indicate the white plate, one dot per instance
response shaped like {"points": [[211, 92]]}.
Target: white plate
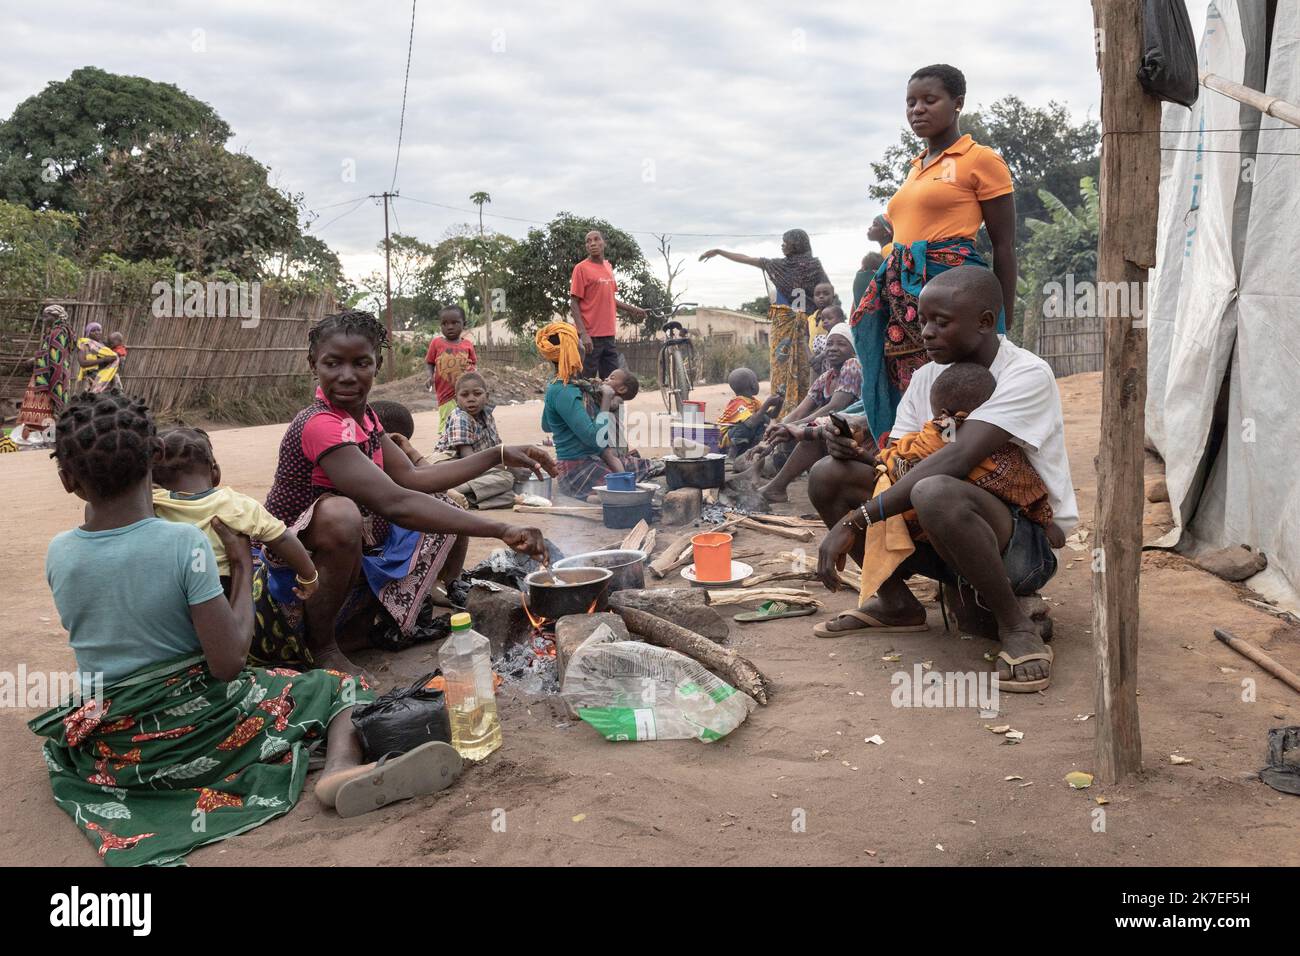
{"points": [[739, 572]]}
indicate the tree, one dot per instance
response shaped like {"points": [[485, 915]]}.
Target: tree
{"points": [[36, 253], [465, 268], [1064, 244], [537, 287], [313, 265], [759, 306], [410, 257], [485, 297], [189, 200], [72, 126], [1044, 149], [673, 271]]}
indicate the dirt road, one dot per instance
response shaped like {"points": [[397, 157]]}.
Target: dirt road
{"points": [[797, 783]]}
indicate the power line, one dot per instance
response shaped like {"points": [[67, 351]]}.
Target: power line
{"points": [[346, 212], [410, 41], [335, 204], [638, 232]]}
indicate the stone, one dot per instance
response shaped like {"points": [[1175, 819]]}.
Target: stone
{"points": [[1234, 563], [572, 629], [499, 615], [685, 607], [1156, 488], [682, 506]]}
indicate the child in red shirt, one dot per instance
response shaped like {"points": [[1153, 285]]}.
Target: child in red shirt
{"points": [[449, 357]]}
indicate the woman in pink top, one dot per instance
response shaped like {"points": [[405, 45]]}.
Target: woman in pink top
{"points": [[374, 523]]}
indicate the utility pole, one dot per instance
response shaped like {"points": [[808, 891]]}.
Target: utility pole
{"points": [[1126, 247], [388, 283]]}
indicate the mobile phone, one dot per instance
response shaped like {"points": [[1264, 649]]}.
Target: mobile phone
{"points": [[841, 425]]}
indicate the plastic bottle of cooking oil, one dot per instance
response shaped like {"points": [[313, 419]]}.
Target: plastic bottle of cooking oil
{"points": [[466, 661]]}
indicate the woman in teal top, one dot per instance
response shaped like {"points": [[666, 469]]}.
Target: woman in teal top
{"points": [[584, 443]]}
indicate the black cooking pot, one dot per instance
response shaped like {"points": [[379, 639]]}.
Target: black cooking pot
{"points": [[626, 566], [707, 472], [553, 594]]}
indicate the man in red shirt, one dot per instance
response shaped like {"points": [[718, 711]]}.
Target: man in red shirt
{"points": [[594, 304]]}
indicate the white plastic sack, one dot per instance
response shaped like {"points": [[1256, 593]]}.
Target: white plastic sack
{"points": [[629, 690]]}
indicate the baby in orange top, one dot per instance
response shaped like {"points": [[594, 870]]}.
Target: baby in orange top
{"points": [[744, 420], [1007, 473]]}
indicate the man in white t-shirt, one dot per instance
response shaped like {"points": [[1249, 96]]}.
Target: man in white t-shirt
{"points": [[973, 536]]}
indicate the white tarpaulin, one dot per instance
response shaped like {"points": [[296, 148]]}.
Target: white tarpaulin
{"points": [[1228, 228]]}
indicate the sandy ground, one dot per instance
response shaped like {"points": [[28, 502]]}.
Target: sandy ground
{"points": [[934, 793]]}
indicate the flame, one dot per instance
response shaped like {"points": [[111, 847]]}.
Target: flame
{"points": [[538, 622], [592, 609]]}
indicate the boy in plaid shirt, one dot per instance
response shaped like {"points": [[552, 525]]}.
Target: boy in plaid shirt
{"points": [[470, 428]]}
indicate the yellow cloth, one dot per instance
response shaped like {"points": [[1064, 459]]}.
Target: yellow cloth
{"points": [[567, 355], [791, 355], [813, 329], [239, 513], [888, 545], [102, 376], [443, 411]]}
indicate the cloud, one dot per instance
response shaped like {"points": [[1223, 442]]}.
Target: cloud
{"points": [[708, 117]]}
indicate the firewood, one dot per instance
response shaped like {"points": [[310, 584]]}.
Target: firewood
{"points": [[788, 521], [686, 607], [797, 534], [635, 539], [727, 664], [575, 511], [724, 596]]}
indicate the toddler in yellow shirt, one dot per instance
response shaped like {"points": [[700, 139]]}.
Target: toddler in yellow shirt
{"points": [[188, 477]]}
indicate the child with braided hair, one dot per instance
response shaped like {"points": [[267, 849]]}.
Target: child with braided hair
{"points": [[188, 476], [173, 725]]}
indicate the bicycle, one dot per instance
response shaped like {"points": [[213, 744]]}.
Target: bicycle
{"points": [[676, 362]]}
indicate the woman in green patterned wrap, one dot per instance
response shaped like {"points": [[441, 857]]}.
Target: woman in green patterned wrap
{"points": [[173, 741]]}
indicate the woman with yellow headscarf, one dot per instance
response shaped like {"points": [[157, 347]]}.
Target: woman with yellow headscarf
{"points": [[583, 444]]}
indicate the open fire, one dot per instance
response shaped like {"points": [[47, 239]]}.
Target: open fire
{"points": [[542, 638]]}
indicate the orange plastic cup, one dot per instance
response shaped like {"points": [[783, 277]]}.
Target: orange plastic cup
{"points": [[712, 553]]}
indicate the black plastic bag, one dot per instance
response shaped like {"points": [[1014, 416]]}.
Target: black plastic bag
{"points": [[504, 566], [403, 719], [1169, 70], [430, 625]]}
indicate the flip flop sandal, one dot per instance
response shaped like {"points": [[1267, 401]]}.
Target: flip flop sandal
{"points": [[772, 611], [868, 623], [1023, 686], [428, 768]]}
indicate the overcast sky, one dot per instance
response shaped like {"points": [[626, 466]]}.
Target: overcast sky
{"points": [[700, 117]]}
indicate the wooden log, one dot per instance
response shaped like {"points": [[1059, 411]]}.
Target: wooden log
{"points": [[795, 534], [727, 664], [634, 540], [1126, 246], [1288, 677], [587, 514], [687, 607], [850, 581], [724, 596], [788, 521]]}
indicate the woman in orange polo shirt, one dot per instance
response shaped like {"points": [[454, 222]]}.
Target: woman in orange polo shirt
{"points": [[953, 187]]}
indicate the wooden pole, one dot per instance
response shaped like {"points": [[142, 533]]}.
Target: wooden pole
{"points": [[1126, 245], [1288, 677], [388, 285], [1266, 104]]}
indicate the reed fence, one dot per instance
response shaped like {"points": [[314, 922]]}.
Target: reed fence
{"points": [[172, 361]]}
